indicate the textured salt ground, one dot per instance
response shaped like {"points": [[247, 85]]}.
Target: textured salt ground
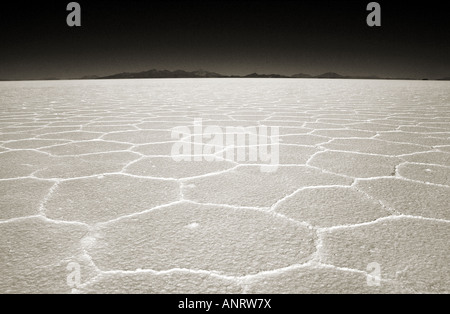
{"points": [[444, 148], [373, 146], [86, 177], [248, 186], [22, 197], [289, 154], [318, 279], [354, 165], [87, 147], [412, 138], [412, 198], [86, 165], [35, 254], [32, 144], [139, 137], [178, 282], [303, 139], [394, 244], [331, 206], [425, 173], [75, 136], [22, 163], [166, 167], [242, 241], [53, 130], [433, 157], [342, 133], [78, 200]]}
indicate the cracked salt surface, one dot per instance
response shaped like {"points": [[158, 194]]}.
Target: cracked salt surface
{"points": [[86, 177]]}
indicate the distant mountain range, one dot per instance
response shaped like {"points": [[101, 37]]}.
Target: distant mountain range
{"points": [[164, 74], [206, 74]]}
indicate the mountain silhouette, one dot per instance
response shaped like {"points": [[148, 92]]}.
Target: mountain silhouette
{"points": [[90, 77], [329, 75], [256, 75], [206, 74], [301, 75], [163, 74], [153, 73]]}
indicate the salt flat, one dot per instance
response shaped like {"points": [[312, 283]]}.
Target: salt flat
{"points": [[87, 179]]}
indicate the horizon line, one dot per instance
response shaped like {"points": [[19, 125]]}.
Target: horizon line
{"points": [[209, 74]]}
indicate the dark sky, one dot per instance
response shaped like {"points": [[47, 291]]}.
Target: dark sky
{"points": [[229, 37]]}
